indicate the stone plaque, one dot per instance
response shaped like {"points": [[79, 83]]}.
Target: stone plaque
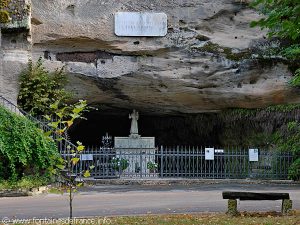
{"points": [[141, 24]]}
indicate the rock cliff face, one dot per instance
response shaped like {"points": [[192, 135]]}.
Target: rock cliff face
{"points": [[209, 60], [15, 46]]}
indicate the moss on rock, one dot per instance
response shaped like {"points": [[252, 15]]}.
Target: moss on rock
{"points": [[4, 16], [13, 11], [4, 3], [287, 206], [232, 207], [225, 51]]}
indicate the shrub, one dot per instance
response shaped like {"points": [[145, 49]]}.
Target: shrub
{"points": [[120, 164], [294, 170], [26, 182], [24, 149], [39, 88], [289, 139], [152, 166]]}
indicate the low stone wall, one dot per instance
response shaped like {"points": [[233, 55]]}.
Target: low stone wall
{"points": [[23, 192]]}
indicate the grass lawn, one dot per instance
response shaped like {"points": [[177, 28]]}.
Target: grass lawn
{"points": [[271, 218], [216, 219]]}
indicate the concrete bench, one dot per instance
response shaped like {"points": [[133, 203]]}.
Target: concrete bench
{"points": [[233, 196]]}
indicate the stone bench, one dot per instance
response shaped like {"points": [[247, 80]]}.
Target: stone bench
{"points": [[233, 196]]}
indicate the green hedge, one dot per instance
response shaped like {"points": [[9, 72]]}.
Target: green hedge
{"points": [[24, 150]]}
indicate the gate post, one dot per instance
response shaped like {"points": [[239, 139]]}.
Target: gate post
{"points": [[161, 161], [141, 165]]}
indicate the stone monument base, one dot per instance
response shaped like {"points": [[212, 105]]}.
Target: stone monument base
{"points": [[139, 152]]}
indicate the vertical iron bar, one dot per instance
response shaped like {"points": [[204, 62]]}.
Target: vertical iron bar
{"points": [[161, 161], [177, 162], [201, 163], [141, 164], [189, 159], [197, 162], [193, 161], [185, 161]]}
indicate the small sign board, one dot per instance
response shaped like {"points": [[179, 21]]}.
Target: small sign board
{"points": [[209, 153], [219, 150], [253, 155], [143, 24], [86, 157]]}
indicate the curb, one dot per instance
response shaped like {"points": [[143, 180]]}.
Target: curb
{"points": [[185, 181], [147, 182]]}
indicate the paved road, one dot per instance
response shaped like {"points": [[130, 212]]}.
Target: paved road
{"points": [[107, 200]]}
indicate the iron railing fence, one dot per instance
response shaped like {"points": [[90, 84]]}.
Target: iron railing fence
{"points": [[168, 162], [184, 162]]}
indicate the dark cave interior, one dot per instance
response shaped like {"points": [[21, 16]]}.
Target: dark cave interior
{"points": [[167, 130], [222, 129]]}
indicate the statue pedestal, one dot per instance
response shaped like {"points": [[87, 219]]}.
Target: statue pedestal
{"points": [[139, 152], [134, 142]]}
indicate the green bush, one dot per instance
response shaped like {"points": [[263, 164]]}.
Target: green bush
{"points": [[152, 166], [294, 170], [24, 150], [289, 139], [120, 164], [26, 182], [39, 89]]}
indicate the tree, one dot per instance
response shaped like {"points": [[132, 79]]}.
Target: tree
{"points": [[39, 88], [64, 167], [282, 18]]}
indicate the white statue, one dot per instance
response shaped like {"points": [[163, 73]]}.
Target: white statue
{"points": [[134, 131]]}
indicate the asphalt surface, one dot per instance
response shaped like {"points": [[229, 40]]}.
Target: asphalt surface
{"points": [[108, 200]]}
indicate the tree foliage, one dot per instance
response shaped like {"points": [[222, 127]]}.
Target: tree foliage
{"points": [[24, 150], [282, 18], [40, 88], [65, 118], [289, 139], [64, 168]]}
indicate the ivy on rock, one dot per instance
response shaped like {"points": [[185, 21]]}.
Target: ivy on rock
{"points": [[24, 149]]}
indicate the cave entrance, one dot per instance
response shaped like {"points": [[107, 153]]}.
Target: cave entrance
{"points": [[176, 136], [168, 130]]}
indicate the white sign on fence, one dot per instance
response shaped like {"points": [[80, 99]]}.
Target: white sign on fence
{"points": [[86, 157], [209, 153], [253, 155], [144, 24], [219, 150]]}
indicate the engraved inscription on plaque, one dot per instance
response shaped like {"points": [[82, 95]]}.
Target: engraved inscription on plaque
{"points": [[141, 24]]}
